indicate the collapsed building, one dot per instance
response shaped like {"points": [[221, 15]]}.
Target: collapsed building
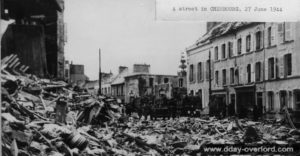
{"points": [[37, 35]]}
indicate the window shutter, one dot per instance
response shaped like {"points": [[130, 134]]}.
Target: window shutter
{"points": [[265, 38], [253, 72], [202, 71], [243, 45], [252, 42], [227, 76], [206, 71], [226, 50], [212, 70], [273, 35], [280, 62], [234, 47], [288, 31], [241, 72], [280, 32], [266, 64], [261, 71], [262, 39]]}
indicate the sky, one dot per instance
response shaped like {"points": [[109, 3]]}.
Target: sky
{"points": [[127, 33]]}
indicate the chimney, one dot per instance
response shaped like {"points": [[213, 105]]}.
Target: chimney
{"points": [[141, 68], [122, 68]]}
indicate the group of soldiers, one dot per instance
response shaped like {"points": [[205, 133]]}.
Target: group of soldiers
{"points": [[165, 108]]}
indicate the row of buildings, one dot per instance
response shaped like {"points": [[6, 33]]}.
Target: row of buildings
{"points": [[247, 64], [136, 82]]}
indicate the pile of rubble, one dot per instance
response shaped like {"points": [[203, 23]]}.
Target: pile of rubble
{"points": [[45, 117]]}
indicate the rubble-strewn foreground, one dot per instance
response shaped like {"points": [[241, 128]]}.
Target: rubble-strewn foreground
{"points": [[34, 123]]}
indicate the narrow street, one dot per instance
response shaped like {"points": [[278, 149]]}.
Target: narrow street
{"points": [[114, 78], [32, 124]]}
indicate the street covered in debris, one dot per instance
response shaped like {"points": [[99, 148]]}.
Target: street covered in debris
{"points": [[140, 86], [48, 117]]}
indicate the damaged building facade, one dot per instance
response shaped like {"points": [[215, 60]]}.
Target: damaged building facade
{"points": [[251, 64], [142, 83], [118, 83], [37, 35]]}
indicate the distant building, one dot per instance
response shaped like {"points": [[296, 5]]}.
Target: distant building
{"points": [[106, 83], [93, 86], [77, 76], [142, 83], [118, 83]]}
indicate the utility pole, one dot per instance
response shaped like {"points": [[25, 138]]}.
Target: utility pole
{"points": [[209, 81], [100, 75]]}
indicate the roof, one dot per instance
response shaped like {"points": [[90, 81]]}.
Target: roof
{"points": [[137, 74], [220, 30], [119, 79]]}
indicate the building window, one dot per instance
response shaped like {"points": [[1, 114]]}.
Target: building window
{"points": [[287, 64], [248, 43], [230, 49], [236, 74], [249, 73], [270, 101], [239, 46], [199, 72], [151, 82], [217, 77], [232, 75], [271, 68], [269, 36], [180, 82], [258, 71], [216, 54], [191, 73], [191, 92], [283, 99], [224, 76], [297, 99], [288, 35], [281, 32], [166, 80], [258, 40], [122, 90], [223, 51], [207, 69]]}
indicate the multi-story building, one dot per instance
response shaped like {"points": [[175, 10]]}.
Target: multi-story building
{"points": [[141, 83], [198, 74], [251, 64]]}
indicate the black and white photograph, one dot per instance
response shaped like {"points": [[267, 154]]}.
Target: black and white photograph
{"points": [[149, 77]]}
